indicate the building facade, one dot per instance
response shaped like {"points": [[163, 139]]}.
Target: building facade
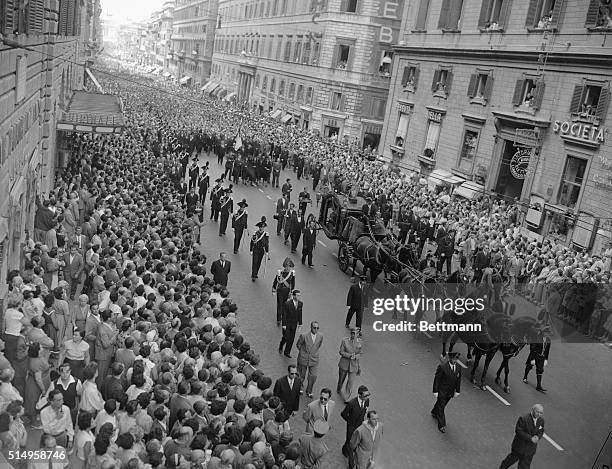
{"points": [[513, 97], [40, 64], [192, 40], [324, 65]]}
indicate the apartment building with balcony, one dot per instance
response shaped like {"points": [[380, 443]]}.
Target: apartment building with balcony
{"points": [[193, 33], [324, 65], [41, 62], [512, 97]]}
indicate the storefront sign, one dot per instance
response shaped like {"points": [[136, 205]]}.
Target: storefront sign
{"points": [[434, 116], [520, 162], [404, 108], [580, 130]]}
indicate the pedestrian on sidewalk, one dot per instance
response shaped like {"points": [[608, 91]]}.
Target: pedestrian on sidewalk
{"points": [[348, 366], [291, 321], [528, 432], [354, 414], [447, 384], [365, 441], [355, 302], [321, 409]]}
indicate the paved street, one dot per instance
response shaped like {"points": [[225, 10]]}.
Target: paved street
{"points": [[399, 370]]}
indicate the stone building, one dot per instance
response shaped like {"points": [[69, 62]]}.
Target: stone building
{"points": [[40, 64], [324, 65], [511, 97], [193, 34]]}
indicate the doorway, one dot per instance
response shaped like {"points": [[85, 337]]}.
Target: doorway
{"points": [[513, 167]]}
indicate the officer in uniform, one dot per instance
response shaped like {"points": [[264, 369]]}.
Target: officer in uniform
{"points": [[284, 282], [226, 206], [239, 223], [260, 245], [194, 174], [204, 184], [215, 197], [538, 356]]}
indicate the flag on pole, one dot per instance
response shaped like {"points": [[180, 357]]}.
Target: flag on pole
{"points": [[238, 143]]}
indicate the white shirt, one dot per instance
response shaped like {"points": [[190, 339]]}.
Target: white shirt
{"points": [[54, 422], [291, 383], [12, 321], [314, 337]]}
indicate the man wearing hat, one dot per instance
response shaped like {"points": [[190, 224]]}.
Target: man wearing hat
{"points": [[538, 357], [239, 223], [203, 185], [260, 246], [313, 448], [446, 385], [215, 197], [291, 320], [226, 206], [284, 282]]}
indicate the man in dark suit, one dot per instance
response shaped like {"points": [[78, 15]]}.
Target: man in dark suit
{"points": [[354, 414], [286, 189], [309, 242], [191, 201], [239, 223], [291, 219], [538, 357], [355, 301], [215, 197], [369, 210], [446, 385], [528, 432], [226, 208], [287, 389], [203, 186], [220, 270], [296, 230], [291, 320], [73, 268], [112, 386], [281, 209]]}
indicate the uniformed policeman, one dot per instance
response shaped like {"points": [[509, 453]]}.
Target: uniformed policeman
{"points": [[215, 196], [226, 206], [260, 245], [284, 282], [538, 356], [239, 223]]}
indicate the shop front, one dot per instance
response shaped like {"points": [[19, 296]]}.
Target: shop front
{"points": [[332, 126], [370, 136]]}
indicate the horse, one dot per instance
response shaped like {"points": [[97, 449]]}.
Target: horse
{"points": [[374, 255]]}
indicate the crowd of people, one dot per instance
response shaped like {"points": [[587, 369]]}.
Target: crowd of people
{"points": [[120, 347]]}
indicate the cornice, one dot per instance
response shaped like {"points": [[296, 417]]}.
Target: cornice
{"points": [[530, 56]]}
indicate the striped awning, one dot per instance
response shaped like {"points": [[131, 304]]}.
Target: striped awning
{"points": [[286, 118], [276, 114]]}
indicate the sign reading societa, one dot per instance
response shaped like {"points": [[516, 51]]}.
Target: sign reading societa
{"points": [[581, 130]]}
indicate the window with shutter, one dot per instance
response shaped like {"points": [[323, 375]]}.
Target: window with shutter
{"points": [[599, 15], [7, 16], [488, 91], [449, 82], [485, 14], [421, 22], [531, 21], [576, 98], [434, 83], [590, 101], [471, 92], [538, 95], [454, 17], [504, 14], [444, 14], [405, 75], [602, 104], [494, 15]]}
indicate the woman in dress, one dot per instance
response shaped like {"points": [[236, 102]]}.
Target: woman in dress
{"points": [[50, 316], [80, 312], [83, 442], [38, 379], [63, 317]]}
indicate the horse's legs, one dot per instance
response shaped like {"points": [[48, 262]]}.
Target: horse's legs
{"points": [[506, 365], [470, 347], [488, 358], [477, 356]]}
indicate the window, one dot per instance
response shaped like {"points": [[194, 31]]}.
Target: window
{"points": [[336, 101], [494, 15], [348, 6], [386, 60], [279, 47], [431, 141], [21, 76], [309, 93], [467, 154], [450, 15], [300, 94], [306, 54], [528, 93], [441, 84], [316, 50], [273, 85], [599, 15], [410, 77], [421, 22], [590, 101], [287, 55], [267, 8], [275, 8], [543, 14], [291, 91], [257, 81], [297, 52], [480, 87], [402, 129], [270, 45], [281, 88], [283, 7], [264, 83], [377, 108], [571, 182], [343, 52]]}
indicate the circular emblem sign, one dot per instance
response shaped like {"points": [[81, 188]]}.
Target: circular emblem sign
{"points": [[520, 162]]}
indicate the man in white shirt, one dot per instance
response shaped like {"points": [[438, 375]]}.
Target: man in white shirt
{"points": [[56, 420]]}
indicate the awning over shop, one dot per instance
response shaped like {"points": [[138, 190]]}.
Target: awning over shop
{"points": [[93, 112], [93, 79], [185, 80], [213, 88], [230, 96], [469, 190], [276, 114], [203, 88], [218, 91], [207, 86], [441, 177], [222, 93], [286, 118]]}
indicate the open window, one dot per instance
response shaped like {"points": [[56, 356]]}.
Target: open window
{"points": [[543, 14], [410, 77], [441, 84], [386, 61], [528, 93], [494, 15], [343, 54], [599, 15], [480, 87], [590, 101]]}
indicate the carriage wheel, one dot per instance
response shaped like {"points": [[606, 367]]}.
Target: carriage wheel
{"points": [[343, 258]]}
